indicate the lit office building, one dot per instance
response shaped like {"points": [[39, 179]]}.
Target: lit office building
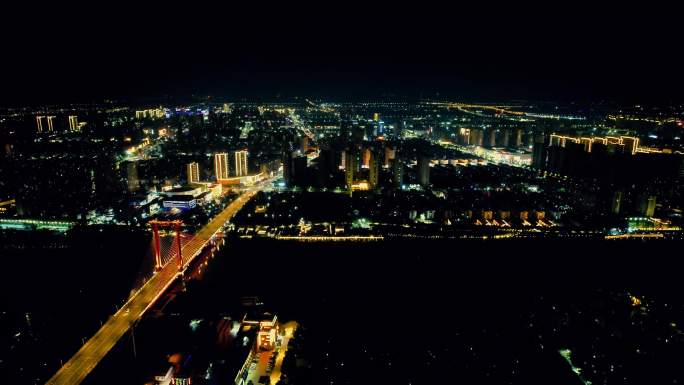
{"points": [[50, 119], [240, 159], [73, 123], [39, 123], [193, 172], [221, 166]]}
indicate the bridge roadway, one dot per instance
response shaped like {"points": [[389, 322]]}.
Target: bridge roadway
{"points": [[84, 361]]}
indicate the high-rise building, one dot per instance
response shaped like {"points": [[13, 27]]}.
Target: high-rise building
{"points": [[345, 129], [373, 169], [304, 144], [648, 205], [539, 153], [476, 136], [221, 166], [491, 138], [73, 123], [349, 168], [50, 119], [398, 128], [424, 170], [390, 154], [299, 167], [240, 162], [193, 172], [39, 123], [287, 169], [132, 176], [365, 160], [246, 129], [518, 138], [376, 116], [397, 172]]}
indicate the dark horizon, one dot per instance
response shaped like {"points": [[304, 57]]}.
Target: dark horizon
{"points": [[571, 55]]}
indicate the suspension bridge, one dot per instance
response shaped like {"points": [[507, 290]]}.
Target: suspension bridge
{"points": [[169, 263]]}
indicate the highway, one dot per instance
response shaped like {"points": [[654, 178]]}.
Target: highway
{"points": [[84, 361]]}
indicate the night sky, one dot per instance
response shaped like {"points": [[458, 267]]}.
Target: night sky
{"points": [[341, 51]]}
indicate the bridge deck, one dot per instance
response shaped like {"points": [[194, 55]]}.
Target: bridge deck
{"points": [[90, 354]]}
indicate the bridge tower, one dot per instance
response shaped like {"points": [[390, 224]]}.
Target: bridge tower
{"points": [[176, 225]]}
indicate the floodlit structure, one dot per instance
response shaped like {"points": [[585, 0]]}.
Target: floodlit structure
{"points": [[176, 225], [39, 123], [240, 162], [268, 329], [193, 172], [73, 123], [221, 166], [50, 125]]}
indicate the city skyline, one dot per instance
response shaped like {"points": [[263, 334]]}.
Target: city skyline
{"points": [[197, 194]]}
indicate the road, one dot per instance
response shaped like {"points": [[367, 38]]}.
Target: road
{"points": [[90, 354]]}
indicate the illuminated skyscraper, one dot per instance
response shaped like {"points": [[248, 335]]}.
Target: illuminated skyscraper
{"points": [[246, 129], [49, 123], [365, 160], [39, 123], [221, 166], [240, 159], [193, 172], [73, 123], [376, 116]]}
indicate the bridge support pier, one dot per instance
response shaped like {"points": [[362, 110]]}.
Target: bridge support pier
{"points": [[178, 241], [158, 263], [157, 247]]}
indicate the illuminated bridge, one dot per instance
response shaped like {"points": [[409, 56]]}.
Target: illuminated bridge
{"points": [[84, 361], [30, 224]]}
